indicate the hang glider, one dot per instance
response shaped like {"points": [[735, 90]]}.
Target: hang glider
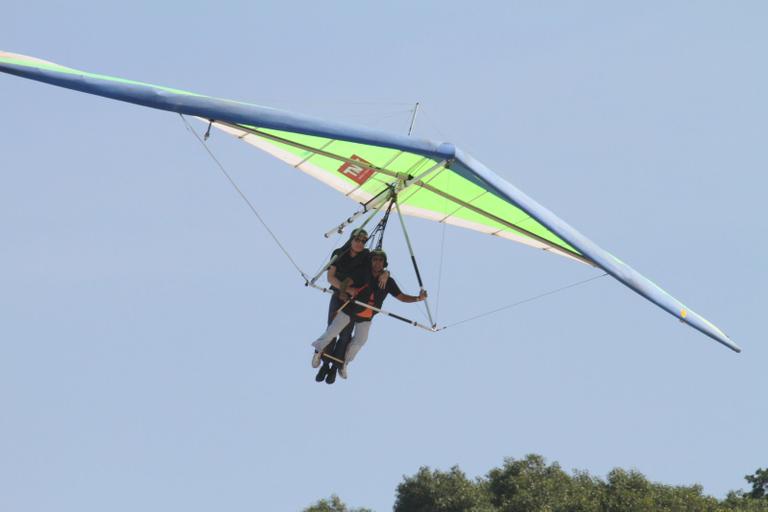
{"points": [[436, 180]]}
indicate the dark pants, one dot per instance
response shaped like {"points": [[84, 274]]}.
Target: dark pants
{"points": [[338, 347]]}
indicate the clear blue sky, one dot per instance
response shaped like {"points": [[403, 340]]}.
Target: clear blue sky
{"points": [[154, 349]]}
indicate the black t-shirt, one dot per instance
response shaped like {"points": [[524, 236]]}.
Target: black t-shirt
{"points": [[357, 267], [373, 295]]}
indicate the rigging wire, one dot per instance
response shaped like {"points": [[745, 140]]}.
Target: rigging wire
{"points": [[336, 244], [432, 124], [413, 260], [307, 280], [440, 270], [330, 102], [243, 196], [376, 238], [524, 301], [442, 252], [375, 117]]}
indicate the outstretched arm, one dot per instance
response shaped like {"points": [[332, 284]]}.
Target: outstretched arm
{"points": [[404, 297]]}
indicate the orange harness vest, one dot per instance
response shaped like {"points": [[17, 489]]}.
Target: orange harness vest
{"points": [[367, 313]]}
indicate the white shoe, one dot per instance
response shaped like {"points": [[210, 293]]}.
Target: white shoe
{"points": [[343, 371], [316, 359]]}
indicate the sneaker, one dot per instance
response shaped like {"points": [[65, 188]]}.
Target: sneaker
{"points": [[331, 377], [316, 359], [343, 371], [320, 377]]}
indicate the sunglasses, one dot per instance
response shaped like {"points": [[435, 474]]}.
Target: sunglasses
{"points": [[360, 239]]}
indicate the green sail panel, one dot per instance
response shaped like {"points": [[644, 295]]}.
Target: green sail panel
{"points": [[361, 171]]}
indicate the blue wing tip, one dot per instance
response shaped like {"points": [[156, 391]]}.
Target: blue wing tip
{"points": [[725, 340]]}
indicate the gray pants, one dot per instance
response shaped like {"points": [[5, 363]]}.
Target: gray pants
{"points": [[359, 337]]}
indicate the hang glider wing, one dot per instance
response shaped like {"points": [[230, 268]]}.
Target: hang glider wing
{"points": [[449, 186]]}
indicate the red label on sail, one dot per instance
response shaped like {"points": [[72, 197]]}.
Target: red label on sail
{"points": [[357, 172]]}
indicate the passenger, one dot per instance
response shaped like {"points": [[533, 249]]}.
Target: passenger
{"points": [[350, 267], [371, 293]]}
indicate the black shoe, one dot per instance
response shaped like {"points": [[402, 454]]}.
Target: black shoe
{"points": [[322, 372], [331, 377]]}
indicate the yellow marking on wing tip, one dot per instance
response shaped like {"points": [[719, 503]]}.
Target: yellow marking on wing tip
{"points": [[683, 313]]}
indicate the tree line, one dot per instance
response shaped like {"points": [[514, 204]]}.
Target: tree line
{"points": [[531, 484]]}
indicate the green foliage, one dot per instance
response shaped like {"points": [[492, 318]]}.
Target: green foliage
{"points": [[333, 504], [683, 498], [532, 485], [628, 491], [439, 491], [759, 483], [744, 502], [587, 493], [529, 485]]}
